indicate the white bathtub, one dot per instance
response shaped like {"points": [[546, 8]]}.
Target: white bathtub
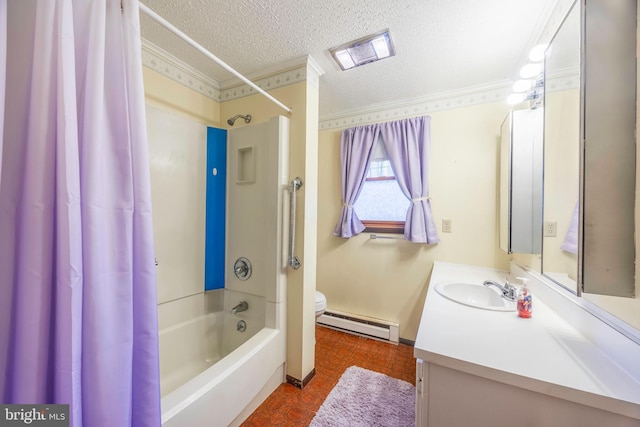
{"points": [[213, 375]]}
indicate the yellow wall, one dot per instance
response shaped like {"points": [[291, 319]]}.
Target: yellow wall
{"points": [[387, 279], [303, 162], [169, 95], [561, 176]]}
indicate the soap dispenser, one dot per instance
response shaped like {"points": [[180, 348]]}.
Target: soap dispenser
{"points": [[524, 299]]}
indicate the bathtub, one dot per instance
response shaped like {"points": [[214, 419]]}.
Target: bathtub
{"points": [[214, 375]]}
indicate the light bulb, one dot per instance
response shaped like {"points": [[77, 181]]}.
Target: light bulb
{"points": [[537, 53], [530, 70], [522, 85], [515, 98]]}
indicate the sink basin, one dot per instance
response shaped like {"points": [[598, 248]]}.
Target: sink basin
{"points": [[477, 296]]}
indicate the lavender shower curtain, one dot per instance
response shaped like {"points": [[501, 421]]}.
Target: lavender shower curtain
{"points": [[3, 68], [408, 144], [78, 319]]}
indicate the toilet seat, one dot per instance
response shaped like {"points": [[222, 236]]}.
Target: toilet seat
{"points": [[321, 303]]}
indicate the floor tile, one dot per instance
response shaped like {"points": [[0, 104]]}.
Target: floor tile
{"points": [[335, 352]]}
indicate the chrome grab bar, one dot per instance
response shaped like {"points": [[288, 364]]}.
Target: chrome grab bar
{"points": [[294, 185]]}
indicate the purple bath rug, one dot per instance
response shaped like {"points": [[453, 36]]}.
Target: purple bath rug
{"points": [[367, 399]]}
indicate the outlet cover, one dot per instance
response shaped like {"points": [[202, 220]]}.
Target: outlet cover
{"points": [[446, 226], [550, 229]]}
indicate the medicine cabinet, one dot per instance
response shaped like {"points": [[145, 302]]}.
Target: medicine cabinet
{"points": [[521, 159], [596, 47]]}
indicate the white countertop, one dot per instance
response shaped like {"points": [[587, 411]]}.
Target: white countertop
{"points": [[543, 353]]}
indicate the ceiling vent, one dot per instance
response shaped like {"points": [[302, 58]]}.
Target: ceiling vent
{"points": [[364, 50]]}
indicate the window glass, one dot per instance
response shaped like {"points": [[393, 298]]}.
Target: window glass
{"points": [[381, 199]]}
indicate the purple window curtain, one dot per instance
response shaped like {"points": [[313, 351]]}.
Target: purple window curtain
{"points": [[356, 148], [78, 314], [407, 143]]}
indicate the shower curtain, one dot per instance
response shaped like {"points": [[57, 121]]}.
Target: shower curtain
{"points": [[78, 319]]}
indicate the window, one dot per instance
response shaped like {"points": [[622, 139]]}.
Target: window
{"points": [[410, 155], [381, 206]]}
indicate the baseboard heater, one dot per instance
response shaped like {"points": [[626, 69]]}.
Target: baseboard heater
{"points": [[361, 325]]}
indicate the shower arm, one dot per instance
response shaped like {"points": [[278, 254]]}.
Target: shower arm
{"points": [[294, 185], [160, 20]]}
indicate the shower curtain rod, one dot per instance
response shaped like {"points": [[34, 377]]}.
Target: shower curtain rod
{"points": [[159, 19]]}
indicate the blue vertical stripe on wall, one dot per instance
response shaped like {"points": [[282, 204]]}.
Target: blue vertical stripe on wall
{"points": [[216, 206]]}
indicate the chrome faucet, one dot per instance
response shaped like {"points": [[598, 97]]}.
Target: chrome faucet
{"points": [[243, 306], [509, 292]]}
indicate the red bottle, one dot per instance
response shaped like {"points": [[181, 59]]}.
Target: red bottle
{"points": [[525, 307]]}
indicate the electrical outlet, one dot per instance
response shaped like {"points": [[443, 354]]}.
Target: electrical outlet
{"points": [[446, 226], [550, 229]]}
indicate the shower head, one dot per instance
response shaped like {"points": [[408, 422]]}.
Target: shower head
{"points": [[233, 119]]}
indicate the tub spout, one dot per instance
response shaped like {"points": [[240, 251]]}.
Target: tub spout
{"points": [[243, 306]]}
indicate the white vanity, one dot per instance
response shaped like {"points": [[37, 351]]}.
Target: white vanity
{"points": [[562, 367]]}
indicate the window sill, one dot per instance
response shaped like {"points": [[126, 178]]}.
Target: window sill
{"points": [[393, 227]]}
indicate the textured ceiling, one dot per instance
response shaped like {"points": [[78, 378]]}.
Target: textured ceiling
{"points": [[441, 45]]}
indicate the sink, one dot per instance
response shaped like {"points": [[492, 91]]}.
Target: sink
{"points": [[473, 295]]}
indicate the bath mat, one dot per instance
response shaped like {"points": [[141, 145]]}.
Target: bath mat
{"points": [[367, 399]]}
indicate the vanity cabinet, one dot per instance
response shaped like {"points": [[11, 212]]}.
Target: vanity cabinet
{"points": [[486, 368], [448, 397], [521, 159]]}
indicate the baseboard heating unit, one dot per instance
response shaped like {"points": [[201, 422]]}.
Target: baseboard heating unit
{"points": [[361, 325]]}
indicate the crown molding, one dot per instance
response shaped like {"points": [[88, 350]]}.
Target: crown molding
{"points": [[282, 67], [314, 72], [481, 94], [267, 83], [555, 19], [168, 65], [290, 72], [285, 73], [563, 79]]}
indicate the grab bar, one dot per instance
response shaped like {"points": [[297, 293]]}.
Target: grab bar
{"points": [[294, 262]]}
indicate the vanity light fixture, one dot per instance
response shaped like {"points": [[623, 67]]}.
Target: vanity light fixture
{"points": [[364, 50], [538, 52], [533, 93], [516, 98], [531, 85], [523, 85], [530, 70]]}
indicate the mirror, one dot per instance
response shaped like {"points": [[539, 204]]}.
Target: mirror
{"points": [[562, 153], [588, 241], [521, 182], [609, 155]]}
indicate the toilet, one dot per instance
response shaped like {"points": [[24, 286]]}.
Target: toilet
{"points": [[321, 304]]}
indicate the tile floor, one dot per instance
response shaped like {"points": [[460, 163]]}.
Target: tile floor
{"points": [[335, 352]]}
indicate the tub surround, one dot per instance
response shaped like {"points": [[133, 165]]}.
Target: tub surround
{"points": [[512, 364]]}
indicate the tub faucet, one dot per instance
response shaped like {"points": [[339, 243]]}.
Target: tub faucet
{"points": [[509, 292], [243, 306]]}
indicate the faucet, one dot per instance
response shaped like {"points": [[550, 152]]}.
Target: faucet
{"points": [[243, 306], [509, 292]]}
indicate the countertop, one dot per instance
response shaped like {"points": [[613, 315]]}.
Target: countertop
{"points": [[543, 354]]}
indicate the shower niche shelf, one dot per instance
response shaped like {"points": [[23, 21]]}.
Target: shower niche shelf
{"points": [[246, 173]]}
